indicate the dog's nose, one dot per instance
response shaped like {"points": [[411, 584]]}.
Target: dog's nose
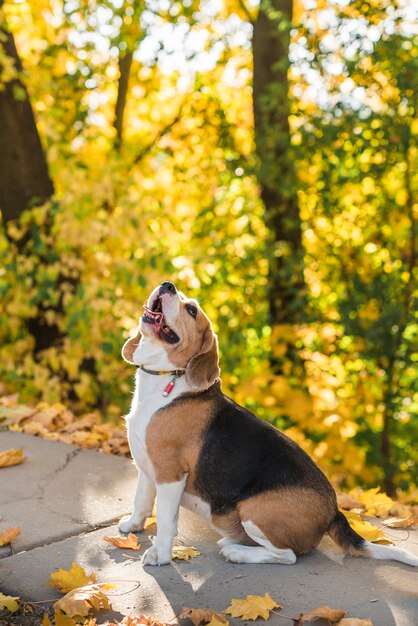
{"points": [[167, 287]]}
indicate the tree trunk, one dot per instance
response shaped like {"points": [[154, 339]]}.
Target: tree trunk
{"points": [[276, 174], [125, 62], [24, 178]]}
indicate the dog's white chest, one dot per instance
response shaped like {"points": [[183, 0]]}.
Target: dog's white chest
{"points": [[148, 398]]}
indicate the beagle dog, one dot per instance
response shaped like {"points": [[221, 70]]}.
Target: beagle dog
{"points": [[196, 447]]}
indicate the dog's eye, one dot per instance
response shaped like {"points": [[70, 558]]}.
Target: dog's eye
{"points": [[191, 310]]}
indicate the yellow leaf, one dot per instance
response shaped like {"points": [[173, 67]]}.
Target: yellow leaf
{"points": [[150, 521], [45, 620], [324, 612], [365, 529], [252, 607], [11, 457], [7, 536], [215, 622], [67, 580], [376, 503], [60, 619], [400, 522], [355, 621], [184, 552], [8, 602], [202, 616], [82, 600], [131, 542]]}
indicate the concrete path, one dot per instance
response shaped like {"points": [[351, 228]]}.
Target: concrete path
{"points": [[66, 499]]}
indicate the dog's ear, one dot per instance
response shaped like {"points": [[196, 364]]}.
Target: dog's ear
{"points": [[203, 369], [130, 346]]}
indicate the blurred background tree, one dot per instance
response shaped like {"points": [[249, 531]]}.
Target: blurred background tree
{"points": [[262, 156]]}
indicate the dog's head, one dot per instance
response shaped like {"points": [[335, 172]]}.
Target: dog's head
{"points": [[174, 330]]}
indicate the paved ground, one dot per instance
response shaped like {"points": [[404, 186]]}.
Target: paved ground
{"points": [[66, 499]]}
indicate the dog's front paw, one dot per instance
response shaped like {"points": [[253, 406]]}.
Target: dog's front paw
{"points": [[156, 556], [130, 524]]}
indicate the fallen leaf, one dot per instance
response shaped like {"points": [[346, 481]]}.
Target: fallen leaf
{"points": [[150, 521], [252, 607], [67, 580], [400, 522], [348, 502], [323, 612], [355, 621], [366, 529], [8, 535], [81, 600], [376, 503], [401, 510], [201, 616], [215, 622], [184, 552], [60, 619], [45, 620], [11, 457], [8, 602], [131, 541]]}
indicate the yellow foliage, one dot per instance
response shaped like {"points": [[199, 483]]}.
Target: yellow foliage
{"points": [[252, 607], [75, 577]]}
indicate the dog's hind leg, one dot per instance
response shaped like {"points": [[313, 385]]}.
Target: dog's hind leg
{"points": [[261, 550]]}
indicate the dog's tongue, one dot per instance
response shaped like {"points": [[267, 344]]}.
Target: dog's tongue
{"points": [[157, 316]]}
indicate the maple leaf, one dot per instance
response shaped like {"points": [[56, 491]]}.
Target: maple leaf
{"points": [[375, 503], [400, 522], [323, 612], [184, 552], [252, 607], [202, 616], [366, 529], [8, 602], [131, 541], [7, 536], [355, 621], [11, 457], [67, 580], [81, 600]]}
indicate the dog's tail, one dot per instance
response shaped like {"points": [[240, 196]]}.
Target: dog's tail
{"points": [[342, 533]]}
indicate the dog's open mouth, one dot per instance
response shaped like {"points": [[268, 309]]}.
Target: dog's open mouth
{"points": [[155, 317]]}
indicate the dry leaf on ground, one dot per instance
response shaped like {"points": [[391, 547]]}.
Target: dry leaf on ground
{"points": [[355, 621], [366, 529], [83, 599], [8, 602], [400, 522], [131, 541], [8, 535], [184, 552], [376, 503], [323, 612], [75, 577], [348, 502], [216, 622], [150, 521], [64, 620], [11, 457], [201, 616], [252, 607]]}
